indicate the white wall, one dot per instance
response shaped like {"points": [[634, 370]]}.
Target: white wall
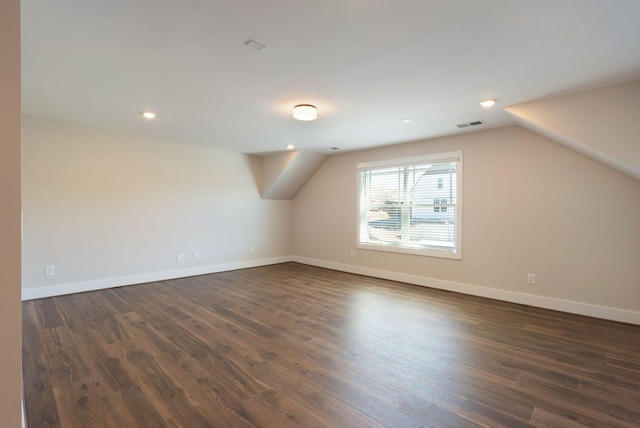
{"points": [[604, 119], [111, 209], [107, 208], [600, 123], [10, 317], [530, 206]]}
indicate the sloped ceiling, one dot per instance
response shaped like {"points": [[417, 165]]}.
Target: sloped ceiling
{"points": [[366, 65], [603, 124], [284, 174]]}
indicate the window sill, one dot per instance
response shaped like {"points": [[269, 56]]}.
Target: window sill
{"points": [[443, 254]]}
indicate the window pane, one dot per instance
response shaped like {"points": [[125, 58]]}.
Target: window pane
{"points": [[409, 206]]}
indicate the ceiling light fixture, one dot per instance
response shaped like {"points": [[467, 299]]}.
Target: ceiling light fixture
{"points": [[289, 147], [406, 120], [149, 115], [305, 112], [488, 103]]}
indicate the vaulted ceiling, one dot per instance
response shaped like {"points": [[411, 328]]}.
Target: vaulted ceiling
{"points": [[366, 65]]}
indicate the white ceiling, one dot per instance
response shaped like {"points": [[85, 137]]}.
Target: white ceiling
{"points": [[366, 65]]}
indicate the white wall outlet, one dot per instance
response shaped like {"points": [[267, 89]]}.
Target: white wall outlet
{"points": [[180, 257], [49, 270], [252, 250], [531, 278], [196, 256], [352, 254]]}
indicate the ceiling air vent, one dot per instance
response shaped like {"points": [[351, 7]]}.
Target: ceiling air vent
{"points": [[255, 45], [470, 124]]}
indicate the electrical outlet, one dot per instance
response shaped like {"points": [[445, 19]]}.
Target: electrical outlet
{"points": [[49, 270], [196, 256], [252, 250], [353, 254], [180, 257], [531, 278]]}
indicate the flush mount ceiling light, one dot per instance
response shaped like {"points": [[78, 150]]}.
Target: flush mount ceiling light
{"points": [[488, 103], [148, 115], [289, 147], [406, 120], [305, 112]]}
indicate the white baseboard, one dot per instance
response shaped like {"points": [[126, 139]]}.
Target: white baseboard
{"points": [[100, 284], [579, 308]]}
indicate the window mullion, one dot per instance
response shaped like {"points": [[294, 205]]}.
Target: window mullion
{"points": [[405, 229]]}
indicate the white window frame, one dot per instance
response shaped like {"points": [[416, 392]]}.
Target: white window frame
{"points": [[361, 226]]}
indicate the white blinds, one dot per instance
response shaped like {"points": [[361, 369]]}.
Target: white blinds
{"points": [[410, 205]]}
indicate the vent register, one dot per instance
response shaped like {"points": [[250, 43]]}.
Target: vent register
{"points": [[470, 124]]}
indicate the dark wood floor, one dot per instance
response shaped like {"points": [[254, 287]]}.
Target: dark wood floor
{"points": [[293, 345]]}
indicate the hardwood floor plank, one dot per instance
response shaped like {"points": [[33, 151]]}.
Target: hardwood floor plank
{"points": [[488, 390], [145, 335], [81, 407], [119, 413], [40, 405], [284, 412], [613, 412], [294, 406], [610, 393], [116, 304], [353, 395], [166, 391], [66, 365], [230, 409], [434, 416], [292, 345], [140, 407], [489, 416], [613, 336], [72, 313], [47, 314], [544, 419], [623, 362]]}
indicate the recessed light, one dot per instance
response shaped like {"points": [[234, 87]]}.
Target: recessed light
{"points": [[289, 147], [331, 149], [149, 115], [406, 120], [488, 103], [305, 112]]}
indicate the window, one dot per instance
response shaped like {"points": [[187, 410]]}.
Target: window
{"points": [[412, 205], [437, 208]]}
